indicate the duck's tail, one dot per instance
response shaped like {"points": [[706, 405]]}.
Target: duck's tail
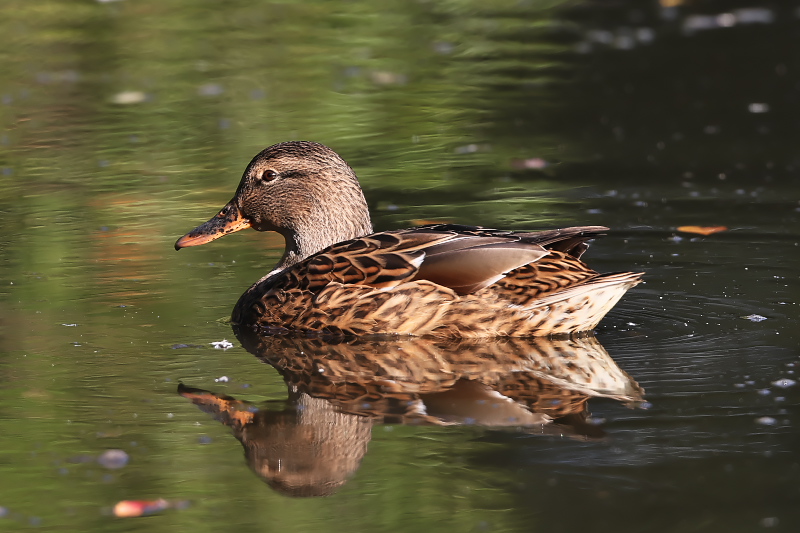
{"points": [[581, 307]]}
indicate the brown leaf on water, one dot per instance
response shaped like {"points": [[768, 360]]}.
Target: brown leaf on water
{"points": [[133, 508], [424, 222], [702, 230]]}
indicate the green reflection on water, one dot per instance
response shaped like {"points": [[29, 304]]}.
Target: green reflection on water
{"points": [[445, 110], [124, 124]]}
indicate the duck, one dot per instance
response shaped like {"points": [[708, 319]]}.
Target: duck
{"points": [[338, 277]]}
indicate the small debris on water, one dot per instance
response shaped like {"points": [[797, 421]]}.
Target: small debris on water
{"points": [[770, 521], [425, 221], [784, 383], [222, 345], [754, 318], [129, 97], [113, 459], [133, 508], [536, 163], [702, 230], [221, 379], [70, 325], [766, 421], [210, 89]]}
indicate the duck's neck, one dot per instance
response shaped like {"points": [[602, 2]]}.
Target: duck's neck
{"points": [[314, 238]]}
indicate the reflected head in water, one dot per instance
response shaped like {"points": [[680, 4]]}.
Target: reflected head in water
{"points": [[338, 278], [339, 388], [306, 449]]}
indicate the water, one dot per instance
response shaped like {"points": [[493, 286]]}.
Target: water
{"points": [[125, 124]]}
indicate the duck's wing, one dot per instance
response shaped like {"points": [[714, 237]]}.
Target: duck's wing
{"points": [[465, 259], [572, 240]]}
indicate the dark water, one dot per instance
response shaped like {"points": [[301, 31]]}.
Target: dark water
{"points": [[124, 124]]}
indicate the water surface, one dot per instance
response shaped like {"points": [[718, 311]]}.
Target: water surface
{"points": [[125, 124]]}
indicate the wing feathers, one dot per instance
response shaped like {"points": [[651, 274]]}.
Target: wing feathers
{"points": [[467, 270]]}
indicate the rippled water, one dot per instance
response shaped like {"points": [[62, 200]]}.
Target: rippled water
{"points": [[127, 123]]}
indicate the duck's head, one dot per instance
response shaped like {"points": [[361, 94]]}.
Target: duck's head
{"points": [[303, 190]]}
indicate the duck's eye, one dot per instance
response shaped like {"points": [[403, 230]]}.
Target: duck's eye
{"points": [[268, 175]]}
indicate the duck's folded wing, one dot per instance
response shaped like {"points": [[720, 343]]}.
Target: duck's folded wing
{"points": [[471, 268], [463, 262], [465, 259]]}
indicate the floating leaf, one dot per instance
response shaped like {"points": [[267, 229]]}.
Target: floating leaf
{"points": [[132, 508], [425, 222], [702, 230]]}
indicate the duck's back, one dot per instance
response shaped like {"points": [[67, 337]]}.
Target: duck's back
{"points": [[440, 280]]}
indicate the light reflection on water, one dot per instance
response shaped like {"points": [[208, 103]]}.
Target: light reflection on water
{"points": [[486, 118]]}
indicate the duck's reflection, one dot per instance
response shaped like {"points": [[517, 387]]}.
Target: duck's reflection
{"points": [[338, 389]]}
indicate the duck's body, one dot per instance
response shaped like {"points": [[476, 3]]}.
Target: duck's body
{"points": [[337, 277]]}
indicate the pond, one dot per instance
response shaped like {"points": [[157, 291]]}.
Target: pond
{"points": [[127, 123]]}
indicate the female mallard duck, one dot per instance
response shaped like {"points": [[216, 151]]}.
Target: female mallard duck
{"points": [[338, 277]]}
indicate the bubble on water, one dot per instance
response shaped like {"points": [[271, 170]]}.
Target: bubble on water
{"points": [[113, 459], [765, 392], [129, 97], [210, 89], [766, 421], [755, 318], [784, 383], [770, 521], [754, 15]]}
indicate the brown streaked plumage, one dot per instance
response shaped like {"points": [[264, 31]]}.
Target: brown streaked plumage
{"points": [[337, 277]]}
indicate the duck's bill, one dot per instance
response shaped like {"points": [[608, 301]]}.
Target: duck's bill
{"points": [[226, 221]]}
